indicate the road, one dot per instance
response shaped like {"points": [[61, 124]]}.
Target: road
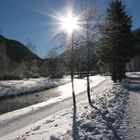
{"points": [[130, 129], [34, 116]]}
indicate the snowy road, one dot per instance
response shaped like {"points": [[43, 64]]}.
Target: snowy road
{"points": [[130, 129], [8, 126]]}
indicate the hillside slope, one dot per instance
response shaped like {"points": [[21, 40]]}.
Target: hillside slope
{"points": [[16, 59]]}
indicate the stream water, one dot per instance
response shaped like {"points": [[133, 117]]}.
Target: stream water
{"points": [[14, 103]]}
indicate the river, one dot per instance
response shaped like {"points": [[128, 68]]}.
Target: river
{"points": [[14, 103]]}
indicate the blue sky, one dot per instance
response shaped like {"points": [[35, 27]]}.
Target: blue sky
{"points": [[30, 19]]}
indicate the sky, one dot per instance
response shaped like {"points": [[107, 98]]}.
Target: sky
{"points": [[32, 19]]}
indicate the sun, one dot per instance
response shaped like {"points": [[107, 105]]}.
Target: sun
{"points": [[69, 23]]}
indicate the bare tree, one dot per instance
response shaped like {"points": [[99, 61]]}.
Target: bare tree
{"points": [[30, 62], [89, 22], [56, 62], [70, 45], [4, 61], [31, 46]]}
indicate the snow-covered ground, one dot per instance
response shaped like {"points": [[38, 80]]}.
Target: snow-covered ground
{"points": [[130, 127], [99, 122], [18, 87], [66, 92]]}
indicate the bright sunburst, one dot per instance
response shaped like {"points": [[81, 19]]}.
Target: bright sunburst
{"points": [[69, 23]]}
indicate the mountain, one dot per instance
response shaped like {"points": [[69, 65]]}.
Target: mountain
{"points": [[16, 60], [15, 50]]}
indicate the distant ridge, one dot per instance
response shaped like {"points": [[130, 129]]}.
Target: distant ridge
{"points": [[15, 50], [16, 60]]}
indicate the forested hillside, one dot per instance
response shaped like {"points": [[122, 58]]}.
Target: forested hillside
{"points": [[16, 60]]}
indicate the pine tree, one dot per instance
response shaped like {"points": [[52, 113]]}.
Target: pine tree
{"points": [[117, 41]]}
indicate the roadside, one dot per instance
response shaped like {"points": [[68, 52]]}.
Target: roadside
{"points": [[130, 128]]}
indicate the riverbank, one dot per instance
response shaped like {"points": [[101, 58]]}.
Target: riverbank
{"points": [[12, 121], [52, 94], [11, 88]]}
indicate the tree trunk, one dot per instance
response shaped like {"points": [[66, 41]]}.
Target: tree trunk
{"points": [[72, 71], [88, 68], [120, 71], [114, 72]]}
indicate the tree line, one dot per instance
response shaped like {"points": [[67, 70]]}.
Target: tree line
{"points": [[106, 47], [101, 47]]}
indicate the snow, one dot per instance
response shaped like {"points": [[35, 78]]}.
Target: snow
{"points": [[99, 121], [130, 127], [65, 90], [18, 87], [80, 85]]}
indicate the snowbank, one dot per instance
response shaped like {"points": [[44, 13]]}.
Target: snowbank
{"points": [[18, 87], [130, 127], [102, 120]]}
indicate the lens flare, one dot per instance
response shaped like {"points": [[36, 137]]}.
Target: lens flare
{"points": [[69, 23]]}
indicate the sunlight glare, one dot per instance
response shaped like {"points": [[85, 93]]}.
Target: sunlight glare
{"points": [[69, 23]]}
